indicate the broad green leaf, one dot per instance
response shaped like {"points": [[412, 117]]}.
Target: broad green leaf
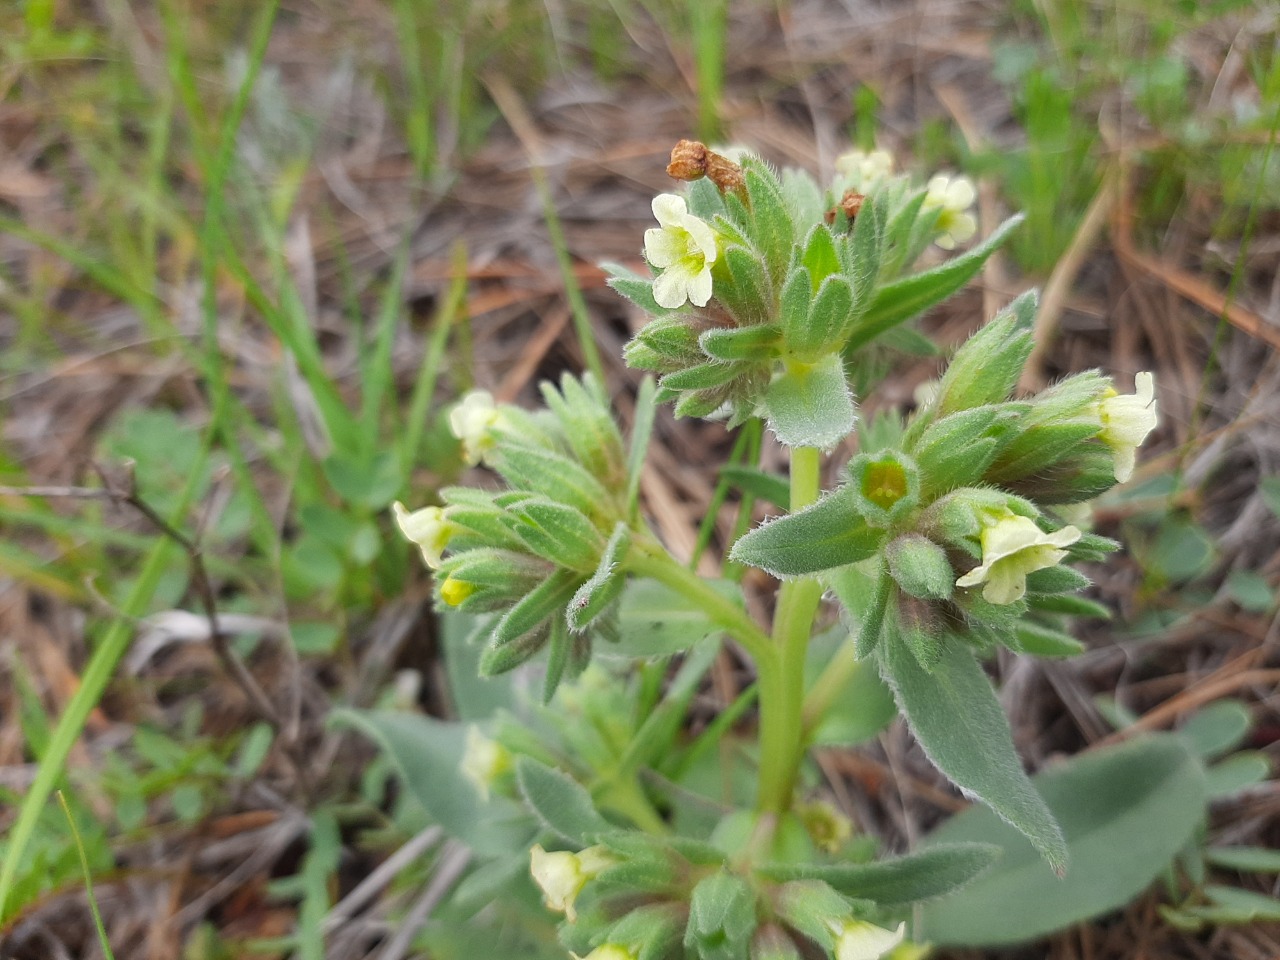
{"points": [[1125, 811], [1251, 590], [957, 719], [428, 754], [562, 804], [655, 621], [1217, 727], [904, 299], [1237, 772], [987, 366], [809, 405], [553, 475], [1181, 551], [474, 697], [557, 532], [828, 534], [928, 873]]}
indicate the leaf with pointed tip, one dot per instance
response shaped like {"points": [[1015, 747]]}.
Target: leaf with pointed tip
{"points": [[826, 535], [957, 719], [898, 881], [769, 487], [562, 804], [1126, 812], [903, 299], [428, 755]]}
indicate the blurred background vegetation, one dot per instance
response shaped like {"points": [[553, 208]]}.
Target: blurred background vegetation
{"points": [[249, 252]]}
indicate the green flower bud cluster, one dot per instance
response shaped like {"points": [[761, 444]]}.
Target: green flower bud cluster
{"points": [[544, 553], [767, 287], [957, 518]]}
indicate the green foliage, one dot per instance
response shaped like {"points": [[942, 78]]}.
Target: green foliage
{"points": [[1125, 812], [560, 803], [954, 714], [937, 871], [428, 755]]}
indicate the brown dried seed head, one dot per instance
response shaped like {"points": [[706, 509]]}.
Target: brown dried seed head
{"points": [[725, 174], [850, 203], [691, 160], [688, 161]]}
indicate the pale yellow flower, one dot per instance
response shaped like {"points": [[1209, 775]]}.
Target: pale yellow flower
{"points": [[483, 761], [864, 169], [562, 875], [955, 195], [428, 528], [473, 421], [1012, 547], [683, 248], [860, 940], [1126, 421], [607, 951]]}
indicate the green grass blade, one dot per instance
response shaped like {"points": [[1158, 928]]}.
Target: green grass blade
{"points": [[424, 387], [88, 880]]}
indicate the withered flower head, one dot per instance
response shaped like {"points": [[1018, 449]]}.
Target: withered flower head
{"points": [[692, 160]]}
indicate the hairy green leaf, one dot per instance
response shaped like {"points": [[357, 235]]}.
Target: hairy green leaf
{"points": [[957, 719]]}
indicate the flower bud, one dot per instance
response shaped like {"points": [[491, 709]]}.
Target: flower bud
{"points": [[920, 567], [864, 169], [1126, 421], [473, 421], [955, 195], [860, 940], [454, 591], [483, 761], [691, 160], [561, 875], [428, 528]]}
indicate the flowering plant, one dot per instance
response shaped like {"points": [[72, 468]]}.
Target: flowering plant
{"points": [[773, 301]]}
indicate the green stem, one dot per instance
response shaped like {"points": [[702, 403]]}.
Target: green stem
{"points": [[648, 559], [627, 797], [835, 677], [782, 682]]}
